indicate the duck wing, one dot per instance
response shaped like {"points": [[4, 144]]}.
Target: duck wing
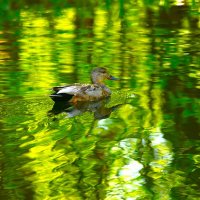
{"points": [[58, 88], [73, 89], [65, 93]]}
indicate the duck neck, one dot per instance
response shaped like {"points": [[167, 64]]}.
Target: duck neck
{"points": [[97, 81]]}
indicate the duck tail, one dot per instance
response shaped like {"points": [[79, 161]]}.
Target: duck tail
{"points": [[61, 97]]}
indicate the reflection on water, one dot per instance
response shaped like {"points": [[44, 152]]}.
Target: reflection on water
{"points": [[97, 107], [143, 143]]}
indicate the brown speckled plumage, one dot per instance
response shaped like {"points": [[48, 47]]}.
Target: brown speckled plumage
{"points": [[85, 92]]}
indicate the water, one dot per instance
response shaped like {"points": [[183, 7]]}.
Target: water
{"points": [[142, 143]]}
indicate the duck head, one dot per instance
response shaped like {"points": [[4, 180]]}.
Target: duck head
{"points": [[99, 75]]}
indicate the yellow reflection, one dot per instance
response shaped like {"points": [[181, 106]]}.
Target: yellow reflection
{"points": [[65, 22], [127, 183], [162, 151], [125, 180], [100, 23], [38, 51], [45, 163], [43, 166], [107, 35], [64, 45], [179, 2]]}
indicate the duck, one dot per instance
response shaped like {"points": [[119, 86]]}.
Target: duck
{"points": [[85, 92]]}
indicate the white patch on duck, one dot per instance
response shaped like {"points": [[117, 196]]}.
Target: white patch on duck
{"points": [[70, 90]]}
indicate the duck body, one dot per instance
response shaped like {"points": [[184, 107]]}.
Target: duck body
{"points": [[85, 92]]}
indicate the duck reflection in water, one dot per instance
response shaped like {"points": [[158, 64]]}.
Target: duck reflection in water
{"points": [[99, 108]]}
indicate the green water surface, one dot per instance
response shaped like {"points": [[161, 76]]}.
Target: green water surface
{"points": [[141, 144]]}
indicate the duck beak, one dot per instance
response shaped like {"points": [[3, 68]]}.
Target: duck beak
{"points": [[112, 78]]}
